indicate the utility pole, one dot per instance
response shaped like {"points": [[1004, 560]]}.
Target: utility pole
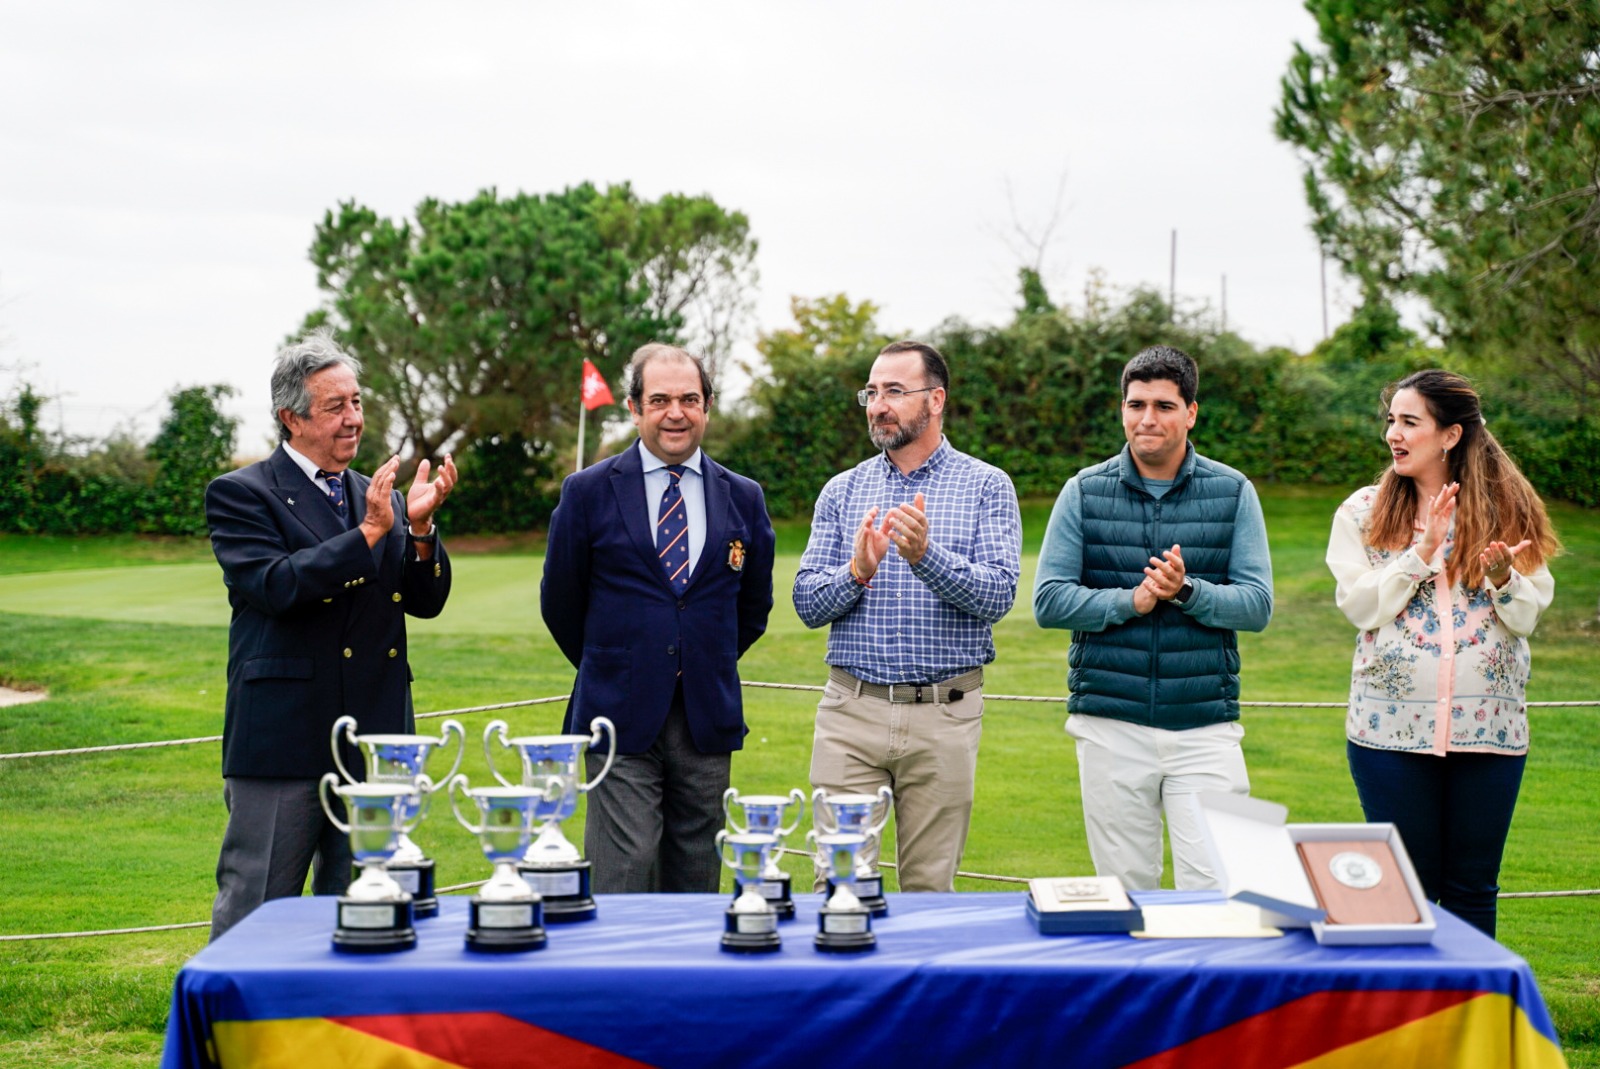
{"points": [[1172, 279], [1322, 264], [1224, 302]]}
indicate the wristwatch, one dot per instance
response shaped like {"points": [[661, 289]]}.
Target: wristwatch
{"points": [[1185, 593]]}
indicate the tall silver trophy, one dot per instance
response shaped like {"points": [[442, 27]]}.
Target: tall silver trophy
{"points": [[552, 865], [844, 923], [506, 914], [857, 814], [401, 760], [375, 913], [749, 925], [764, 814]]}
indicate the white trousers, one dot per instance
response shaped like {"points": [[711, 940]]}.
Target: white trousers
{"points": [[1130, 774]]}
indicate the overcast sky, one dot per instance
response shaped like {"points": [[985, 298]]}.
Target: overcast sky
{"points": [[162, 165]]}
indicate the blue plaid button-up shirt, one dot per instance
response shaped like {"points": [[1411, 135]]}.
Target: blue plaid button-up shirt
{"points": [[923, 622]]}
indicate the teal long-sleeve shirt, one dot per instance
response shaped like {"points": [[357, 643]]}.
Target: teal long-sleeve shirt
{"points": [[1060, 600]]}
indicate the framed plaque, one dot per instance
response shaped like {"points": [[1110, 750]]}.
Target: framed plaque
{"points": [[1358, 882]]}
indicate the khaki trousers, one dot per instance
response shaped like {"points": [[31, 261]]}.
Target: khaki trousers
{"points": [[926, 752]]}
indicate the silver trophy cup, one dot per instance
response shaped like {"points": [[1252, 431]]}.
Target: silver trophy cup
{"points": [[401, 759], [858, 814], [764, 814], [552, 865], [375, 913], [750, 926], [506, 914], [844, 923]]}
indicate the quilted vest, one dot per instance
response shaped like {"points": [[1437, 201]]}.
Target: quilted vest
{"points": [[1164, 669]]}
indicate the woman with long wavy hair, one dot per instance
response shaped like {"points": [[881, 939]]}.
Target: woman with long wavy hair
{"points": [[1442, 566]]}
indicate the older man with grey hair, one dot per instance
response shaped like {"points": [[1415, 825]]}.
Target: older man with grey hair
{"points": [[322, 566]]}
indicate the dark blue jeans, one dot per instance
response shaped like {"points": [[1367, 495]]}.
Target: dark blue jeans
{"points": [[1454, 814]]}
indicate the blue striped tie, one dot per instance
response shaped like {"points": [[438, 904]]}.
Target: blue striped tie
{"points": [[672, 531], [335, 491]]}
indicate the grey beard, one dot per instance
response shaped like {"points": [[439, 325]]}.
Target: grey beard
{"points": [[890, 439]]}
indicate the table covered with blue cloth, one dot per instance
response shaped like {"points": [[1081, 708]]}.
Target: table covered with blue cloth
{"points": [[956, 980]]}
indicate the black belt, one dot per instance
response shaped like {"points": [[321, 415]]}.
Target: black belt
{"points": [[947, 690]]}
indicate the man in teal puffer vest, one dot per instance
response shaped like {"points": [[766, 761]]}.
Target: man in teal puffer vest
{"points": [[1155, 559]]}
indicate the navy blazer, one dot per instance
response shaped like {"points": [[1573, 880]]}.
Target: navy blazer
{"points": [[318, 627], [607, 602]]}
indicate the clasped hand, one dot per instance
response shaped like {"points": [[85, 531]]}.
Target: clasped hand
{"points": [[422, 500], [1163, 578], [904, 526]]}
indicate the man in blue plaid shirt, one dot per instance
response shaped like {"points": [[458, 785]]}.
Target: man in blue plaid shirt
{"points": [[914, 555]]}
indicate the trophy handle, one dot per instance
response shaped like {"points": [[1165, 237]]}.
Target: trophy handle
{"points": [[594, 740], [722, 845], [347, 725], [729, 796], [453, 727], [821, 815], [501, 728], [554, 788], [798, 797], [885, 795], [424, 792], [457, 788], [331, 780]]}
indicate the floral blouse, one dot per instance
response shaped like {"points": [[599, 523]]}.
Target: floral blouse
{"points": [[1437, 667]]}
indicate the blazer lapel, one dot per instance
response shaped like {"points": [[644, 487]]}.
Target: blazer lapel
{"points": [[627, 485], [304, 499]]}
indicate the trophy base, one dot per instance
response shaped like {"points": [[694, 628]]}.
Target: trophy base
{"points": [[565, 889], [750, 933], [844, 931], [869, 889], [417, 878], [776, 892], [374, 927], [504, 927]]}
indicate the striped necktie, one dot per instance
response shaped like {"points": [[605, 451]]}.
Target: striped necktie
{"points": [[672, 531], [335, 491]]}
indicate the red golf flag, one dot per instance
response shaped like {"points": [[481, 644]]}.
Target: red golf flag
{"points": [[595, 390]]}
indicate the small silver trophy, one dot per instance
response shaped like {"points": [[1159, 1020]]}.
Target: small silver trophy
{"points": [[764, 813], [750, 926], [401, 759], [553, 866], [375, 913], [853, 814], [844, 924], [506, 914]]}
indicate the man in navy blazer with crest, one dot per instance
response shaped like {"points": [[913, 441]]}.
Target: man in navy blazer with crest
{"points": [[657, 578], [322, 566]]}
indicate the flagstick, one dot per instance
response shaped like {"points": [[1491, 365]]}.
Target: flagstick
{"points": [[583, 412]]}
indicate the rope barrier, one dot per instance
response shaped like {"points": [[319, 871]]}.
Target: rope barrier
{"points": [[1055, 699], [529, 702]]}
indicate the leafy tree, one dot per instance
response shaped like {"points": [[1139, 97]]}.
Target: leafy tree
{"points": [[1451, 153], [805, 424], [473, 320], [193, 446]]}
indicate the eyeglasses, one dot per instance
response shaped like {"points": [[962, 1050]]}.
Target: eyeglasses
{"points": [[689, 402], [891, 394]]}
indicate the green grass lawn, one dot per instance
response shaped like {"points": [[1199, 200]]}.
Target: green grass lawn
{"points": [[129, 636]]}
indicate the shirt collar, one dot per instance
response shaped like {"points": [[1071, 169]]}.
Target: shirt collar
{"points": [[649, 462], [302, 462], [931, 465]]}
